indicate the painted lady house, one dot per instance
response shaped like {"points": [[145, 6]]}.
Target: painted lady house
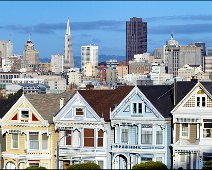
{"points": [[29, 131], [192, 132], [84, 127], [142, 129]]}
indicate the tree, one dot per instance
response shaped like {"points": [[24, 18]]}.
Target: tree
{"points": [[87, 165], [208, 165], [35, 167], [150, 165]]}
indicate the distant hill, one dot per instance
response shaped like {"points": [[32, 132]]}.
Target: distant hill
{"points": [[77, 59]]}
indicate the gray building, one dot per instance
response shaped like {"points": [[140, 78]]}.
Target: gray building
{"points": [[175, 56], [179, 56], [136, 37], [31, 56]]}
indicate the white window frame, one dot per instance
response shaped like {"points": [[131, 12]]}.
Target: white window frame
{"points": [[38, 141], [181, 128], [146, 129], [12, 140], [159, 130], [137, 108], [124, 128], [20, 115], [201, 96]]}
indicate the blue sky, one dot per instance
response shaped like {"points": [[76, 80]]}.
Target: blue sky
{"points": [[102, 23]]}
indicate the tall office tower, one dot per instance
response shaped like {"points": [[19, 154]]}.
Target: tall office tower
{"points": [[89, 54], [6, 50], [57, 63], [31, 55], [68, 53], [136, 38]]}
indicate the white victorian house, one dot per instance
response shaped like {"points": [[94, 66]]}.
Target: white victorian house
{"points": [[84, 127], [142, 126], [192, 132]]}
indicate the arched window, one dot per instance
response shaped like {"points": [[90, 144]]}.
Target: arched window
{"points": [[100, 138]]}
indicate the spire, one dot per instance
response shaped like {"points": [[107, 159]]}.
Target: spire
{"points": [[29, 37], [172, 35], [68, 28]]}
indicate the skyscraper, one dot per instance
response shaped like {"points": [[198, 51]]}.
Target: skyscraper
{"points": [[31, 55], [6, 50], [136, 38], [68, 53], [89, 54]]}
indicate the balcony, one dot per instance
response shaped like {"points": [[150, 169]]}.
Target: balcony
{"points": [[135, 147], [78, 150]]}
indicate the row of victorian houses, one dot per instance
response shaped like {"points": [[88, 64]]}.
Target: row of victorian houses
{"points": [[115, 129]]}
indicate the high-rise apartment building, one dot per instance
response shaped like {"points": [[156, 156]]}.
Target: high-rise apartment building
{"points": [[89, 54], [57, 63], [136, 38], [6, 50], [31, 55], [68, 53]]}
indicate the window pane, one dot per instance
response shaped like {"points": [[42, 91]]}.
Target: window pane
{"points": [[25, 114], [15, 140], [185, 129], [124, 135], [89, 132], [68, 137], [159, 137], [140, 108], [89, 137], [198, 101], [146, 137], [134, 108], [44, 142], [33, 140], [79, 111], [100, 138], [203, 101]]}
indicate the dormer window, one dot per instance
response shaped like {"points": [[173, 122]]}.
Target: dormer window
{"points": [[79, 111]]}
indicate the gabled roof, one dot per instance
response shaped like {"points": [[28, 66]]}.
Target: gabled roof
{"points": [[48, 104], [102, 100], [162, 96], [208, 86], [6, 104]]}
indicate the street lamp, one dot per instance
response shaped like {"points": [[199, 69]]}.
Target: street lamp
{"points": [[58, 148]]}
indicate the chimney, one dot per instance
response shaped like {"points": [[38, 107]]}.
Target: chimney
{"points": [[61, 102]]}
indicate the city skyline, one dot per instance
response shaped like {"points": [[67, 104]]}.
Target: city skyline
{"points": [[103, 24]]}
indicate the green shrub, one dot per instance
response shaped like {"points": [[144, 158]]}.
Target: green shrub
{"points": [[87, 165], [150, 165], [208, 165], [35, 167]]}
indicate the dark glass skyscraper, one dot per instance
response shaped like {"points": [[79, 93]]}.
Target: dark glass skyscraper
{"points": [[136, 37]]}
